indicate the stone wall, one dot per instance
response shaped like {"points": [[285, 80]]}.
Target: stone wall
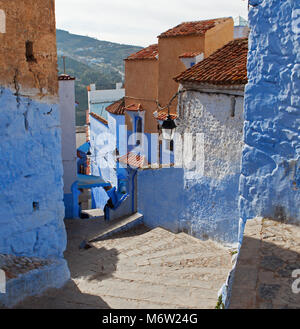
{"points": [[270, 179], [69, 156], [202, 202], [28, 57], [31, 189]]}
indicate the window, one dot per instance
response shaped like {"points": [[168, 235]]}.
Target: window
{"points": [[233, 105], [2, 21], [29, 52], [139, 125], [170, 145], [139, 129]]}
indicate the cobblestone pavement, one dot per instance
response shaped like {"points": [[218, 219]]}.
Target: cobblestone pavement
{"points": [[141, 268], [14, 266], [270, 253]]}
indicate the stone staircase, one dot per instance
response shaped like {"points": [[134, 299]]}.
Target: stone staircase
{"points": [[140, 268], [268, 266]]}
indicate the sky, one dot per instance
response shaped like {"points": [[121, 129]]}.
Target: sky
{"points": [[138, 22]]}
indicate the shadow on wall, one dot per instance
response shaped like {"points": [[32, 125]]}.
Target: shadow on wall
{"points": [[263, 276], [203, 207]]}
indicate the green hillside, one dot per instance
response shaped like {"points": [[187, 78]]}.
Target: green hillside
{"points": [[91, 61]]}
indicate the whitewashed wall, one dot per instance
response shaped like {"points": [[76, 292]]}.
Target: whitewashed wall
{"points": [[203, 204], [210, 114], [68, 127]]}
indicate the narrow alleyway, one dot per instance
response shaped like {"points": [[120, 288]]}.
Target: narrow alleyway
{"points": [[140, 268]]}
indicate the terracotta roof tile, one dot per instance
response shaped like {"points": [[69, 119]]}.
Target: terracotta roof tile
{"points": [[227, 66], [117, 107], [133, 160], [134, 108], [190, 55], [99, 118], [150, 52], [65, 77], [190, 28], [162, 116]]}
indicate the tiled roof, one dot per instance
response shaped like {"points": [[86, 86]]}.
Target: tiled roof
{"points": [[133, 160], [190, 55], [65, 77], [162, 116], [87, 117], [190, 28], [98, 117], [150, 52], [227, 66], [134, 107], [117, 107]]}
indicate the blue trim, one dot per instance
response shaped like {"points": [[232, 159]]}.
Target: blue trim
{"points": [[133, 190], [75, 193], [68, 201]]}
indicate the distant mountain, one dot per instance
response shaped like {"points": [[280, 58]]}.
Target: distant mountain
{"points": [[91, 61]]}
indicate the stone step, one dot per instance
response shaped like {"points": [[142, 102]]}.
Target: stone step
{"points": [[134, 240], [196, 272], [180, 256], [153, 292], [169, 249], [135, 245], [94, 213], [168, 280], [118, 225]]}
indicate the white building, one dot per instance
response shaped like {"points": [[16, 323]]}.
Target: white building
{"points": [[211, 105], [68, 127], [99, 99], [241, 29]]}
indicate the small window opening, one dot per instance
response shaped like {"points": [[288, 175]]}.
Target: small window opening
{"points": [[2, 21], [233, 105], [29, 52], [139, 129], [35, 206], [172, 145]]}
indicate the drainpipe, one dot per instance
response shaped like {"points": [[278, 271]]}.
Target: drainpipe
{"points": [[133, 190]]}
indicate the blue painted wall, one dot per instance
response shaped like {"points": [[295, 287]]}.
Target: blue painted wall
{"points": [[204, 208], [31, 185], [100, 164], [104, 164], [269, 183]]}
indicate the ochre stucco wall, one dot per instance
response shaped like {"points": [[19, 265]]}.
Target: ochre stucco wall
{"points": [[170, 65], [29, 20], [141, 87], [218, 36], [148, 80], [171, 48]]}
